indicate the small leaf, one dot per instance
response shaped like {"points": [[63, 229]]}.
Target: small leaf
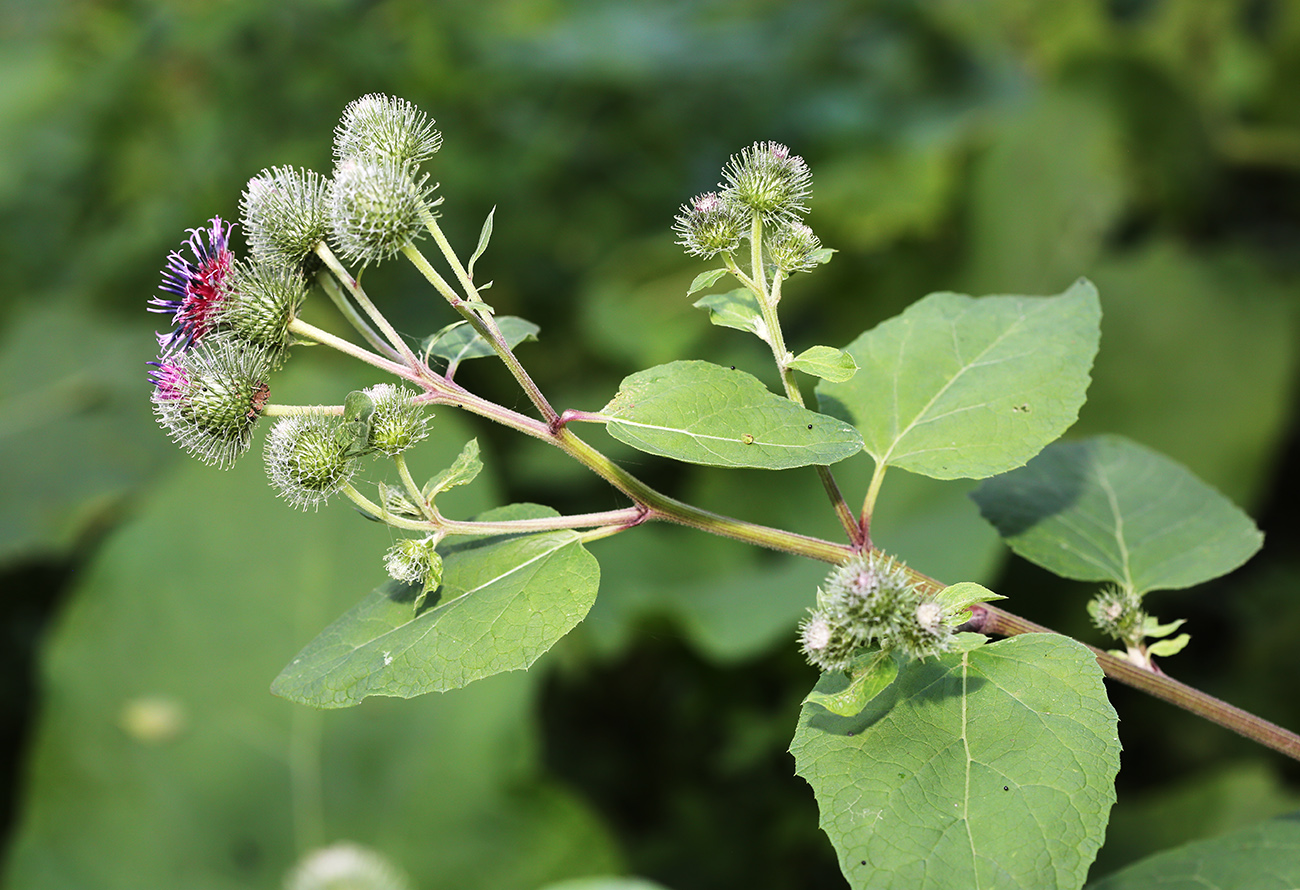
{"points": [[458, 342], [958, 598], [703, 413], [962, 387], [431, 583], [867, 677], [826, 362], [1165, 648], [484, 236], [463, 471], [822, 255], [993, 767], [1154, 629], [1108, 509], [736, 309], [1265, 856], [503, 602], [705, 279], [358, 408]]}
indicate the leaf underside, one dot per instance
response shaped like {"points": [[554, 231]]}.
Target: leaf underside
{"points": [[1109, 509]]}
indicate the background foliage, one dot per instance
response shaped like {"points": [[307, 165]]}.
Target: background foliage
{"points": [[1002, 146]]}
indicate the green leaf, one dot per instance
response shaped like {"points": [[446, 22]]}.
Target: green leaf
{"points": [[826, 362], [706, 414], [358, 408], [484, 236], [737, 309], [1263, 857], [848, 693], [963, 387], [503, 602], [1165, 648], [463, 471], [161, 756], [705, 279], [1108, 509], [1154, 629], [458, 342], [992, 767], [958, 598]]}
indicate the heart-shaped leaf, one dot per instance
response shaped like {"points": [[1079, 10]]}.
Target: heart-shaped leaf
{"points": [[1109, 509], [991, 767], [963, 387]]}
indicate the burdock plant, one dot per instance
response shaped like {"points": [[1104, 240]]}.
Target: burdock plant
{"points": [[939, 757]]}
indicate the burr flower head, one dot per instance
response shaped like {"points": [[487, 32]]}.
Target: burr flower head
{"points": [[210, 396], [708, 225], [769, 180], [197, 284], [376, 207], [285, 214], [396, 423], [386, 128], [307, 459]]}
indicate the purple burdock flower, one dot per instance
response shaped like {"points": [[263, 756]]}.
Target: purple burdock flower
{"points": [[198, 287]]}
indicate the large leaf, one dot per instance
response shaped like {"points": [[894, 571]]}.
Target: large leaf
{"points": [[76, 438], [503, 602], [706, 414], [993, 767], [1108, 509], [160, 761], [962, 387], [1263, 857]]}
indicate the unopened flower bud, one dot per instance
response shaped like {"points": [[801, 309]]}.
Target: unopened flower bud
{"points": [[415, 561], [376, 207], [825, 642], [769, 180], [396, 423], [792, 248], [285, 214], [209, 397], [307, 460], [385, 128], [262, 300], [708, 225], [1117, 612]]}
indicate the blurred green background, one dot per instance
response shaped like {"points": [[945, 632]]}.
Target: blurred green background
{"points": [[982, 146]]}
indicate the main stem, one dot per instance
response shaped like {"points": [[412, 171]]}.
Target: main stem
{"points": [[992, 620]]}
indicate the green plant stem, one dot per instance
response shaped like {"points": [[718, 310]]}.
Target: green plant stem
{"points": [[325, 338], [661, 506], [873, 491], [614, 519], [483, 323], [992, 620], [354, 288], [783, 357], [413, 491], [331, 287]]}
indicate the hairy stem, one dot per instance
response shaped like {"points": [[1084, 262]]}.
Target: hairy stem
{"points": [[992, 620], [358, 294], [331, 287]]}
